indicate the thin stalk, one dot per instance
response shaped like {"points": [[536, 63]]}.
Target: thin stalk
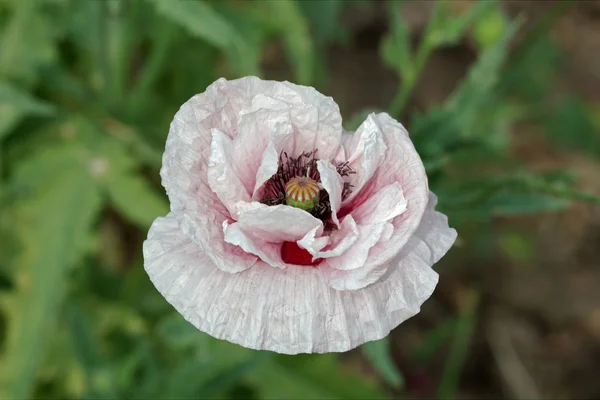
{"points": [[151, 69], [423, 52], [459, 349]]}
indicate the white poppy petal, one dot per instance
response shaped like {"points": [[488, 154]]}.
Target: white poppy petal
{"points": [[356, 256], [334, 185], [382, 206], [281, 139], [313, 243], [222, 177], [278, 224], [207, 234], [432, 239], [291, 310], [366, 150], [268, 252], [331, 246]]}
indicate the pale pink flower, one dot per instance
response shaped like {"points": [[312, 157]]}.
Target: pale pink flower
{"points": [[241, 265]]}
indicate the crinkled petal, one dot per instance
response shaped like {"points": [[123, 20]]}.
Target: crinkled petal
{"points": [[254, 132], [331, 246], [185, 161], [280, 140], [268, 252], [383, 206], [222, 106], [222, 177], [356, 256], [313, 243], [402, 166], [366, 149], [278, 224], [207, 234], [290, 310], [432, 239], [316, 118], [334, 185]]}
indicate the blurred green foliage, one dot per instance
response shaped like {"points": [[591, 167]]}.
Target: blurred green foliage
{"points": [[87, 91]]}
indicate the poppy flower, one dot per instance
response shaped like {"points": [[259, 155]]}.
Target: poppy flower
{"points": [[286, 232]]}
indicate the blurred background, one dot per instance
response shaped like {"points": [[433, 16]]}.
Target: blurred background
{"points": [[502, 100]]}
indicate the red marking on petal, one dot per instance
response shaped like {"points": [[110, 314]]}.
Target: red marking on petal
{"points": [[291, 253]]}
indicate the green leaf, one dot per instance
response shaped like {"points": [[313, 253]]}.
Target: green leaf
{"points": [[135, 199], [324, 18], [53, 224], [16, 104], [378, 353], [463, 333], [178, 333], [212, 366], [433, 341], [476, 91], [571, 125], [539, 53], [225, 379], [26, 42], [296, 38], [518, 246], [448, 29], [513, 204], [201, 20], [315, 376], [129, 192], [395, 50], [100, 381]]}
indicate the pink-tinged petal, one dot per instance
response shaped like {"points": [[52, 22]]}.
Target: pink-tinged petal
{"points": [[331, 246], [316, 118], [334, 185], [268, 252], [387, 233], [340, 157], [342, 239], [401, 165], [317, 128], [432, 239], [281, 138], [366, 150], [256, 131], [290, 310], [382, 206], [222, 178], [207, 234], [356, 256], [313, 243], [185, 161], [278, 224], [222, 106]]}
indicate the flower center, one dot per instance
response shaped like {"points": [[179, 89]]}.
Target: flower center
{"points": [[296, 184], [300, 174], [302, 192]]}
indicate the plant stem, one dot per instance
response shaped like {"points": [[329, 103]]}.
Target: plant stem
{"points": [[152, 69], [423, 53], [460, 346]]}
